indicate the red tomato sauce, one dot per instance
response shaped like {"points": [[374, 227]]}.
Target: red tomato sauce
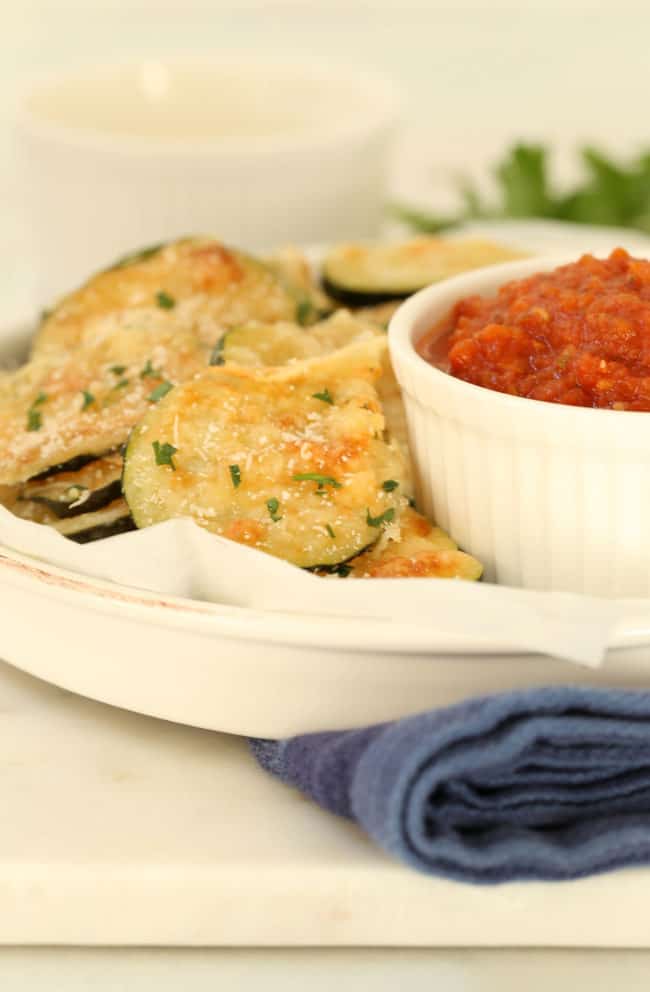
{"points": [[578, 335]]}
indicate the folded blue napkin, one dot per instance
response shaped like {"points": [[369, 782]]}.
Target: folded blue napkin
{"points": [[537, 784]]}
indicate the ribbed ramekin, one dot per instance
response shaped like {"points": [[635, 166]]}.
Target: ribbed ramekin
{"points": [[548, 496]]}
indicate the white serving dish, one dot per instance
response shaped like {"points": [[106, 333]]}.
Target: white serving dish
{"points": [[547, 496], [258, 151], [264, 673], [261, 673]]}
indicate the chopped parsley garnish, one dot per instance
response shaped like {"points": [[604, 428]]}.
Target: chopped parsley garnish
{"points": [[216, 358], [235, 475], [322, 480], [165, 301], [383, 518], [273, 506], [34, 420], [164, 453], [325, 396], [118, 369], [330, 531], [148, 371], [88, 400], [160, 391], [389, 485], [304, 312], [342, 571], [121, 384], [34, 417]]}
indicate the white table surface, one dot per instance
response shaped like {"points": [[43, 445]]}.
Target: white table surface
{"points": [[118, 829], [77, 970]]}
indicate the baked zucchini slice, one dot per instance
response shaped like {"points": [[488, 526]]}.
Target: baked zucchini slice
{"points": [[70, 494], [411, 548], [61, 407], [295, 269], [365, 274], [195, 282], [71, 465], [108, 522], [291, 461], [258, 344], [114, 518]]}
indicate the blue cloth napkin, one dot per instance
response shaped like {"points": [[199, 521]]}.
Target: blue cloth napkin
{"points": [[538, 784]]}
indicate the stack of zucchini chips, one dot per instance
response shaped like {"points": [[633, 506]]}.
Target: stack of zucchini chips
{"points": [[193, 380]]}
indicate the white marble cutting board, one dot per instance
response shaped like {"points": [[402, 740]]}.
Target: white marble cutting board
{"points": [[120, 829]]}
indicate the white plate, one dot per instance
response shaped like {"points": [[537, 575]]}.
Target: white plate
{"points": [[261, 673]]}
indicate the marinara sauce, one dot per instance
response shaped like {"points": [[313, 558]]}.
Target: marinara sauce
{"points": [[578, 335]]}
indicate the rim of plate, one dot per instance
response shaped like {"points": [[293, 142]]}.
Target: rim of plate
{"points": [[359, 634]]}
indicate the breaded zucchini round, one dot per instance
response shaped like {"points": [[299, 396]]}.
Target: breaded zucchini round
{"points": [[368, 274], [195, 282], [112, 519], [86, 402], [70, 494], [412, 549], [292, 461], [256, 344]]}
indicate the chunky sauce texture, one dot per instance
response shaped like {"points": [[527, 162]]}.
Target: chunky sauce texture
{"points": [[578, 335]]}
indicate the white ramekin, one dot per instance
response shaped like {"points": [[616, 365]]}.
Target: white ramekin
{"points": [[548, 496], [259, 152]]}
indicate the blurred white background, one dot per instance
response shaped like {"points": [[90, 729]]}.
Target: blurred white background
{"points": [[475, 75]]}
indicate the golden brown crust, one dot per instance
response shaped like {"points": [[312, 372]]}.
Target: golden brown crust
{"points": [[209, 286], [308, 470], [87, 401], [414, 548]]}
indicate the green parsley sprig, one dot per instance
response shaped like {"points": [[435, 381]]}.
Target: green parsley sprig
{"points": [[383, 518], [325, 396], [164, 454], [321, 480], [34, 415], [149, 372], [610, 193], [273, 505], [165, 301], [160, 391]]}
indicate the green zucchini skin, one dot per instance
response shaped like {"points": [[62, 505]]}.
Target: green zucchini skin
{"points": [[121, 526], [73, 465], [94, 526], [96, 501], [71, 494], [358, 297], [370, 274]]}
